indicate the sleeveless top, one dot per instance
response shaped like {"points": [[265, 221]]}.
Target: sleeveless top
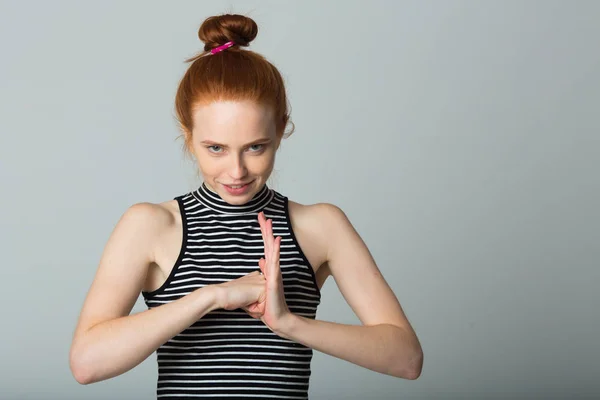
{"points": [[227, 354]]}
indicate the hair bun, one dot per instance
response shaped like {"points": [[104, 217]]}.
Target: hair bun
{"points": [[221, 29]]}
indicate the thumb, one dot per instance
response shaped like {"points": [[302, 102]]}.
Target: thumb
{"points": [[262, 264], [262, 297]]}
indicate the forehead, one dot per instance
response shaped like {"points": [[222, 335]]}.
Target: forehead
{"points": [[233, 121]]}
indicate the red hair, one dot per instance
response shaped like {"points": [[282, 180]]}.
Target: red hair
{"points": [[230, 75]]}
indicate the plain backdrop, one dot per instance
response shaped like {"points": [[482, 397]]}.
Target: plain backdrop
{"points": [[461, 138]]}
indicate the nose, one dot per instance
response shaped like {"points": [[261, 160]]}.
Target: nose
{"points": [[238, 169]]}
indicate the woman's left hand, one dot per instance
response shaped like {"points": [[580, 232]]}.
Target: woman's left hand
{"points": [[274, 309]]}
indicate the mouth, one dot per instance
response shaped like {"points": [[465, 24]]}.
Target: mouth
{"points": [[237, 186], [237, 189]]}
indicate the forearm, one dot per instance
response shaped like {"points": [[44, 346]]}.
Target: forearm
{"points": [[382, 348], [114, 347]]}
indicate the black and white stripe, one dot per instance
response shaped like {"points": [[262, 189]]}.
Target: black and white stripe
{"points": [[228, 354]]}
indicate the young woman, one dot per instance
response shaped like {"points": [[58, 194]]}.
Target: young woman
{"points": [[231, 272]]}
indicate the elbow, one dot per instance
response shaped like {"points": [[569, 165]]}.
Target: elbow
{"points": [[79, 369], [415, 366], [80, 377], [408, 366], [413, 375], [407, 363]]}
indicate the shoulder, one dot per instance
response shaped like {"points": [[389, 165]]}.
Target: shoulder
{"points": [[150, 221], [146, 215], [326, 218], [325, 213]]}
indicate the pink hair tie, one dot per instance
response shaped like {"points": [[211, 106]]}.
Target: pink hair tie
{"points": [[222, 47]]}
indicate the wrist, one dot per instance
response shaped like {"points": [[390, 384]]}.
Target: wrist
{"points": [[287, 326], [210, 297]]}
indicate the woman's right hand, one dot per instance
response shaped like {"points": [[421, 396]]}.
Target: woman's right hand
{"points": [[241, 292]]}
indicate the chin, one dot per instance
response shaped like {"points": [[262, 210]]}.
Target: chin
{"points": [[237, 200]]}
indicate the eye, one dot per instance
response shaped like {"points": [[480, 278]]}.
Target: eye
{"points": [[258, 145], [212, 147]]}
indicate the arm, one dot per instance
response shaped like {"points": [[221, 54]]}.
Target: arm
{"points": [[107, 340], [386, 342]]}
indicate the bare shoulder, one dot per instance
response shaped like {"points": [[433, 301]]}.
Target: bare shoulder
{"points": [[322, 217], [152, 215], [312, 225], [163, 222], [139, 221], [317, 210], [156, 217], [311, 217]]}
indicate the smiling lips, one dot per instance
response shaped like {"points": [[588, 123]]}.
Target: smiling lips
{"points": [[237, 189]]}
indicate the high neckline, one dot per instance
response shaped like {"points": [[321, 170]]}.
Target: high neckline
{"points": [[216, 203]]}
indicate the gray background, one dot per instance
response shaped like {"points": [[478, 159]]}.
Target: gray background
{"points": [[460, 137]]}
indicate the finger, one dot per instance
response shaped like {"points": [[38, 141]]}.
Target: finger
{"points": [[254, 273], [255, 310], [263, 231], [277, 252], [254, 315], [268, 240], [271, 236], [269, 228], [262, 265], [247, 310], [256, 307], [274, 267], [262, 296]]}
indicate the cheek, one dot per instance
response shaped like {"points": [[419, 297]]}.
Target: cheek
{"points": [[207, 166], [265, 161], [257, 165]]}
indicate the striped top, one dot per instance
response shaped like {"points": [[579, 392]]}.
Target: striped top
{"points": [[227, 354]]}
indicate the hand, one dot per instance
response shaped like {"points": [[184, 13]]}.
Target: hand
{"points": [[257, 309], [241, 292], [274, 310]]}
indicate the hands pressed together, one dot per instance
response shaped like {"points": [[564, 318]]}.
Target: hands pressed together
{"points": [[260, 294]]}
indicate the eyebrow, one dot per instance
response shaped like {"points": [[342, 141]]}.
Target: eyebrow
{"points": [[259, 141]]}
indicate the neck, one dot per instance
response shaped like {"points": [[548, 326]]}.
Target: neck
{"points": [[211, 199]]}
